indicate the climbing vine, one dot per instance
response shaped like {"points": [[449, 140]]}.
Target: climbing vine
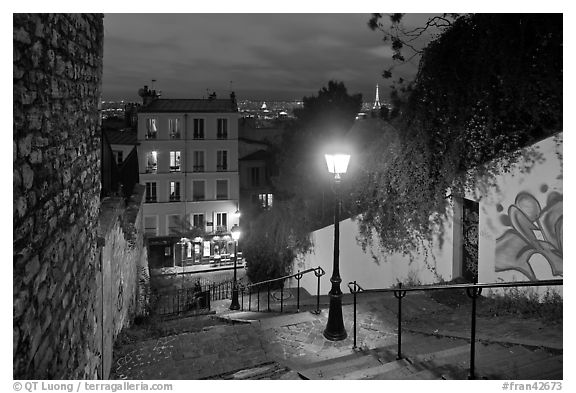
{"points": [[488, 86]]}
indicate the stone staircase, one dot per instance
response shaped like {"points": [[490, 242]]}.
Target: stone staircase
{"points": [[249, 345], [433, 358]]}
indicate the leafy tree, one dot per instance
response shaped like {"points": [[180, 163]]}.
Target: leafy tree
{"points": [[486, 87], [302, 197], [274, 239]]}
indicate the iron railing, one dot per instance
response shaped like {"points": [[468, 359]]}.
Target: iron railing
{"points": [[472, 291], [249, 289], [187, 300], [221, 290]]}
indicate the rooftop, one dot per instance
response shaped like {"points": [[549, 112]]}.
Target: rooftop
{"points": [[127, 137], [190, 105]]}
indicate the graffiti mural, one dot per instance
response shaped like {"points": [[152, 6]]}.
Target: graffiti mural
{"points": [[533, 230]]}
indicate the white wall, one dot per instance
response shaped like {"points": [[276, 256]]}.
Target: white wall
{"points": [[373, 268]]}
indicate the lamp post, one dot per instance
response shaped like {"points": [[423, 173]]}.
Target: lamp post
{"points": [[235, 305], [183, 243], [337, 165]]}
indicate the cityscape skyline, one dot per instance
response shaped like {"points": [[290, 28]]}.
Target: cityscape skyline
{"points": [[258, 56]]}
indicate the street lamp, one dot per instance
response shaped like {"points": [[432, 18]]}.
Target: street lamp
{"points": [[337, 165], [235, 235]]}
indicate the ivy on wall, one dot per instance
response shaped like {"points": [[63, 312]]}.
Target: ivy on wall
{"points": [[488, 86]]}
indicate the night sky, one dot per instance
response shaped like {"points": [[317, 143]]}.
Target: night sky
{"points": [[266, 56]]}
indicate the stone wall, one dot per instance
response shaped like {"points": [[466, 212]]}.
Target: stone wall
{"points": [[122, 235], [124, 268], [57, 66]]}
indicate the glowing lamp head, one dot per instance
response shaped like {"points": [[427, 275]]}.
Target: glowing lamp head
{"points": [[337, 163], [235, 232]]}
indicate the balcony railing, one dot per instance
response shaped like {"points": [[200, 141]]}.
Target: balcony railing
{"points": [[174, 168], [198, 168], [473, 291], [221, 168]]}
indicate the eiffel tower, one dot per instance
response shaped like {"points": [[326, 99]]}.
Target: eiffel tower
{"points": [[377, 104]]}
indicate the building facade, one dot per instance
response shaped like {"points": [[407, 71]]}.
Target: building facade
{"points": [[188, 162]]}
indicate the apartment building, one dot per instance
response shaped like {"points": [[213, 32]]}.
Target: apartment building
{"points": [[188, 162]]}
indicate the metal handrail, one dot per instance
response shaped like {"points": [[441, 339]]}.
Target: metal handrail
{"points": [[472, 291], [285, 277], [318, 271], [540, 283]]}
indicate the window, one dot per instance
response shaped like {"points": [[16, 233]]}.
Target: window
{"points": [[174, 128], [151, 162], [174, 161], [174, 224], [151, 128], [221, 221], [222, 132], [198, 161], [198, 128], [174, 191], [118, 156], [198, 220], [151, 192], [265, 200], [221, 189], [198, 190], [222, 160], [167, 251], [150, 224], [255, 177]]}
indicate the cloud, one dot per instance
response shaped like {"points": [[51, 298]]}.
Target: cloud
{"points": [[188, 53]]}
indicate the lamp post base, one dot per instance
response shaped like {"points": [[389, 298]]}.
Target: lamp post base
{"points": [[335, 330], [235, 304]]}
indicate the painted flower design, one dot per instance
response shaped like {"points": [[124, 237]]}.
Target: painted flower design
{"points": [[533, 231]]}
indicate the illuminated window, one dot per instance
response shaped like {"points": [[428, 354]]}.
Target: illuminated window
{"points": [[221, 221], [151, 162], [174, 161], [266, 200], [174, 190], [151, 128]]}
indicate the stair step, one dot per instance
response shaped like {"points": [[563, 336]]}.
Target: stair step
{"points": [[423, 344], [501, 362], [443, 355], [337, 367], [368, 373], [550, 368]]}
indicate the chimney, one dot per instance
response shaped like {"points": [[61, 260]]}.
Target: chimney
{"points": [[148, 95]]}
